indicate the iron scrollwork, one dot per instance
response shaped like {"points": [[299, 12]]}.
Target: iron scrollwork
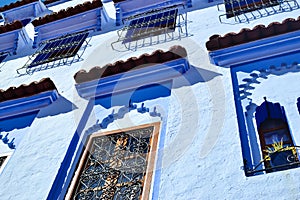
{"points": [[115, 167]]}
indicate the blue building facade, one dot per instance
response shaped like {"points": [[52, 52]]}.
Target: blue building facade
{"points": [[149, 99]]}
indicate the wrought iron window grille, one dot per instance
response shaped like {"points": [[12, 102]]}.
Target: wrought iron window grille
{"points": [[116, 165], [57, 52], [243, 11], [153, 27]]}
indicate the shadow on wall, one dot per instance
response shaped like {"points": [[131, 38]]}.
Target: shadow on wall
{"points": [[253, 139], [153, 91], [141, 94], [60, 106], [195, 75], [19, 122]]}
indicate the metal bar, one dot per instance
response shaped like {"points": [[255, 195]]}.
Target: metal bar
{"points": [[276, 167]]}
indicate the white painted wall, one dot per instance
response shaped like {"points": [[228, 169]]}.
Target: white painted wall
{"points": [[202, 154]]}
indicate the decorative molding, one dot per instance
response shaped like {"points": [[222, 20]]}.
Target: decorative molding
{"points": [[71, 20], [133, 79], [284, 48], [68, 165], [24, 90], [27, 105], [5, 140], [9, 37], [30, 9], [70, 11], [25, 100], [100, 125], [16, 4], [133, 63], [247, 35]]}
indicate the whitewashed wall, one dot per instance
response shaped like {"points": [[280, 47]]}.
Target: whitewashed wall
{"points": [[202, 154]]}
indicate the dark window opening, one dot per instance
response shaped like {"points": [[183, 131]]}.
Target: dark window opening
{"points": [[277, 147], [2, 160]]}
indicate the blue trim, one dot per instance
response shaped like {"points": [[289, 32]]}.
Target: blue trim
{"points": [[260, 50], [159, 158], [35, 10], [118, 15], [24, 11], [261, 54], [133, 79], [72, 24], [5, 140], [68, 166], [11, 41], [246, 152], [62, 181], [16, 41], [273, 60], [98, 26], [15, 107]]}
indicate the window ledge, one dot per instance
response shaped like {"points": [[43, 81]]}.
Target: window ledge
{"points": [[89, 20], [26, 105], [266, 51], [133, 79]]}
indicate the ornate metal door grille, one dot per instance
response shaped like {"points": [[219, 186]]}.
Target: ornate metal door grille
{"points": [[115, 166]]}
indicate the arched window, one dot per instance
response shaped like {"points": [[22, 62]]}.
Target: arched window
{"points": [[277, 145]]}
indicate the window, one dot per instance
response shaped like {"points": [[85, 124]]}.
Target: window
{"points": [[152, 27], [154, 24], [298, 104], [247, 10], [277, 146], [116, 165], [238, 7], [2, 160]]}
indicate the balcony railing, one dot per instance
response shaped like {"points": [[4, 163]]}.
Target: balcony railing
{"points": [[281, 159]]}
